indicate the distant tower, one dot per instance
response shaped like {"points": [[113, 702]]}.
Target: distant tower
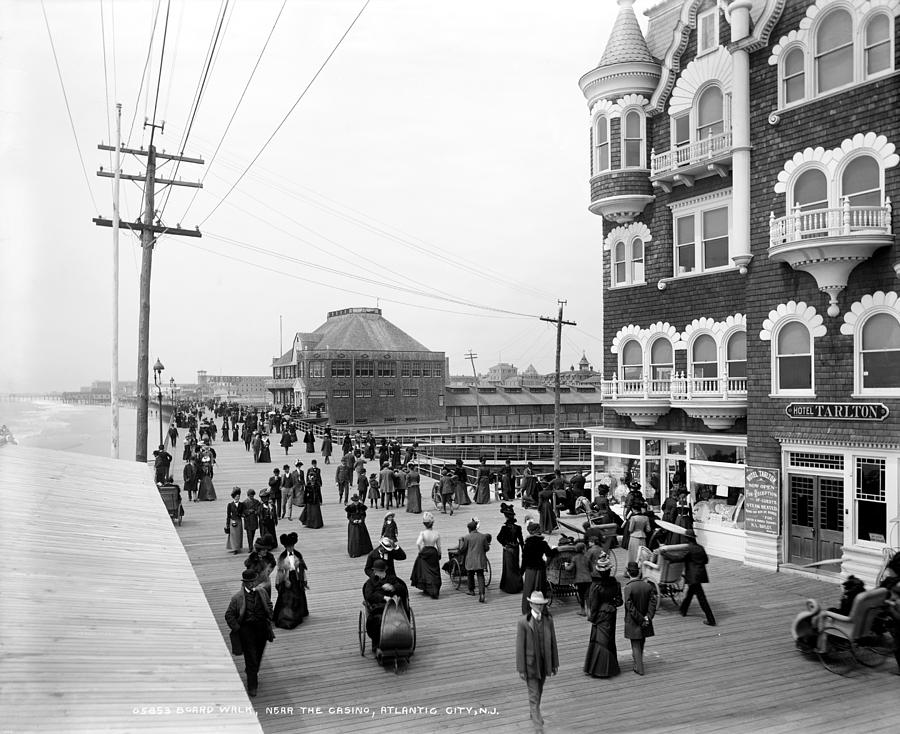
{"points": [[618, 94], [584, 365]]}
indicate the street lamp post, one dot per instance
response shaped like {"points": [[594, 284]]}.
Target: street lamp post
{"points": [[157, 380], [172, 391]]}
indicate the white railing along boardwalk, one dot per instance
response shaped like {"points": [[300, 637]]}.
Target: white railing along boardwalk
{"points": [[690, 153], [677, 387], [836, 222]]}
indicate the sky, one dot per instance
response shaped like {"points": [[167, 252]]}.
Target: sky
{"points": [[437, 167]]}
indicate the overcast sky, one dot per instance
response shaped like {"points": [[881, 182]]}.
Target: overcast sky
{"points": [[443, 149]]}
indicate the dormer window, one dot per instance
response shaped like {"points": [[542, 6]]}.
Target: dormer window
{"points": [[707, 31]]}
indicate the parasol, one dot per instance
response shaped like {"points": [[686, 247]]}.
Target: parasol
{"points": [[670, 526]]}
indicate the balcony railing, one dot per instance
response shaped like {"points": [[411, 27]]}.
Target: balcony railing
{"points": [[677, 387], [839, 222], [689, 154]]}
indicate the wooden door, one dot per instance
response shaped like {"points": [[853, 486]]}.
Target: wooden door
{"points": [[817, 518]]}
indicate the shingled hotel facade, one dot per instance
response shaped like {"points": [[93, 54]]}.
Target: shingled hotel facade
{"points": [[743, 161]]}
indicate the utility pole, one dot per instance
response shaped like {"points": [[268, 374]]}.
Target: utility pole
{"points": [[149, 232], [114, 374], [559, 324], [472, 357]]}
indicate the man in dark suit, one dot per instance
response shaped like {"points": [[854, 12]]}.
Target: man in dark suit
{"points": [[640, 599], [695, 560], [162, 459], [475, 547], [249, 615], [537, 656]]}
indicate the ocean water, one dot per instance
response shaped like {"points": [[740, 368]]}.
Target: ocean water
{"points": [[83, 429]]}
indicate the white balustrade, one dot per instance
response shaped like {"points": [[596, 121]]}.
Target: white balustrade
{"points": [[690, 153], [836, 222], [678, 387]]}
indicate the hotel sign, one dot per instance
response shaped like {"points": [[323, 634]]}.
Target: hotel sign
{"points": [[838, 411]]}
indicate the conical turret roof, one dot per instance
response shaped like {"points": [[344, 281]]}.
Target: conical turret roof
{"points": [[626, 41]]}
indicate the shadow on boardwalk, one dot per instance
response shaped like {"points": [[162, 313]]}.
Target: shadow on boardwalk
{"points": [[743, 675]]}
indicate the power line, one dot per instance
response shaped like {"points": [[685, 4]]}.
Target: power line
{"points": [[370, 281], [236, 108], [275, 132], [219, 253], [105, 77], [162, 56], [68, 109], [137, 101]]}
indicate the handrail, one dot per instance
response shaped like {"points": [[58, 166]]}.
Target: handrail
{"points": [[690, 153], [677, 387], [832, 222]]}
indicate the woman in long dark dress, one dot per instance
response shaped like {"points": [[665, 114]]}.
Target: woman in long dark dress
{"points": [[310, 442], [383, 452], [358, 541], [460, 483], [535, 553], [604, 597], [207, 491], [510, 538], [508, 484], [413, 490], [225, 436], [311, 517], [291, 584], [286, 440], [546, 510], [426, 572], [234, 432], [483, 484], [265, 453]]}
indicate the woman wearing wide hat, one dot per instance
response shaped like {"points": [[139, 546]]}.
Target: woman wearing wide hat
{"points": [[535, 553], [604, 597], [510, 537], [291, 584], [426, 572], [234, 526]]}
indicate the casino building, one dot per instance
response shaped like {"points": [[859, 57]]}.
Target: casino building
{"points": [[359, 369], [743, 163]]}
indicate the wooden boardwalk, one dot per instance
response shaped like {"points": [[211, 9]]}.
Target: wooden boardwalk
{"points": [[741, 676], [102, 624]]}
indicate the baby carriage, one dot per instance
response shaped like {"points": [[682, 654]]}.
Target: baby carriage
{"points": [[561, 570]]}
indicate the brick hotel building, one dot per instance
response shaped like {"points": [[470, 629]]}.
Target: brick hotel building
{"points": [[743, 161]]}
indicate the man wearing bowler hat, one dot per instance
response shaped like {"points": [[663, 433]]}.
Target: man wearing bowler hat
{"points": [[250, 615], [537, 656]]}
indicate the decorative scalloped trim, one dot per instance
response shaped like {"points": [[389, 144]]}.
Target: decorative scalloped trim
{"points": [[604, 107], [793, 311], [801, 35], [626, 232], [716, 66], [717, 329], [830, 160], [631, 100], [645, 336], [879, 300]]}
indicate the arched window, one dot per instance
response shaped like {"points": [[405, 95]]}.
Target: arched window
{"points": [[793, 76], [880, 352], [834, 51], [861, 182], [811, 190], [661, 360], [704, 357], [632, 140], [736, 355], [628, 262], [710, 113], [637, 260], [877, 44], [601, 144], [793, 357], [632, 361], [620, 264]]}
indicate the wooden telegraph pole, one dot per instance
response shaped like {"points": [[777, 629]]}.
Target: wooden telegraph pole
{"points": [[472, 357], [149, 231], [559, 324]]}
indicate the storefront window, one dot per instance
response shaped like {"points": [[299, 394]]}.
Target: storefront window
{"points": [[718, 452], [871, 504]]}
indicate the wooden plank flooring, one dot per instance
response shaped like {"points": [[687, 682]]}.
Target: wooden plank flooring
{"points": [[741, 676], [104, 626]]}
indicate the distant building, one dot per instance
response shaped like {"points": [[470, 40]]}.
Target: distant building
{"points": [[500, 373], [585, 374], [233, 388], [358, 368], [517, 407]]}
